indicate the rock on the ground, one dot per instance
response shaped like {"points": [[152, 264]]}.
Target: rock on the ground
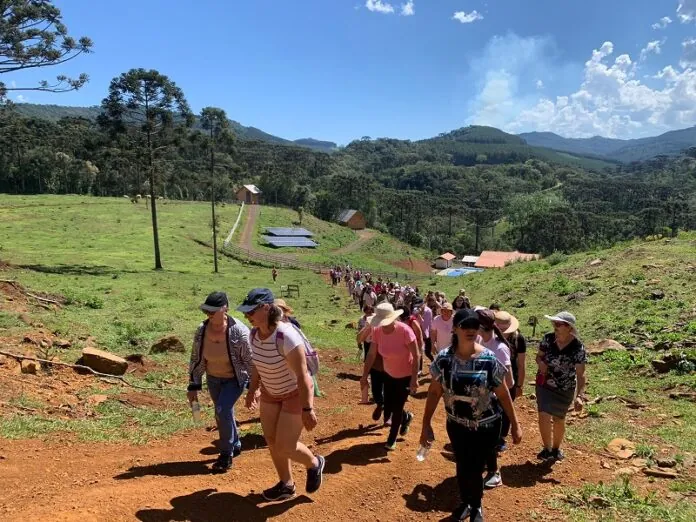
{"points": [[666, 462], [656, 295], [104, 362], [622, 448], [605, 345], [169, 343], [661, 473], [62, 343], [595, 262], [29, 367]]}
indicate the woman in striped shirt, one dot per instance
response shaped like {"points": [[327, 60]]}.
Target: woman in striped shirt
{"points": [[282, 382]]}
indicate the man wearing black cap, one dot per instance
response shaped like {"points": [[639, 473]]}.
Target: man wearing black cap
{"points": [[221, 350]]}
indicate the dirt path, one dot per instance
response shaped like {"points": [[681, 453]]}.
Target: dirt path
{"points": [[245, 240], [169, 480], [363, 237]]}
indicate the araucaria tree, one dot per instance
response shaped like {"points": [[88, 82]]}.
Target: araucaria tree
{"points": [[148, 108], [215, 122], [32, 35]]}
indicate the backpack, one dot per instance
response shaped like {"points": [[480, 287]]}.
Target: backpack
{"points": [[311, 355]]}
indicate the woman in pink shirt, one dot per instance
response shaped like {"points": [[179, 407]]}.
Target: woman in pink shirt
{"points": [[396, 343]]}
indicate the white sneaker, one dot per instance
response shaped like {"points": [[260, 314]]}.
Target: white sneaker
{"points": [[493, 480]]}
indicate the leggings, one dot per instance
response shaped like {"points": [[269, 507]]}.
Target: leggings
{"points": [[471, 447], [428, 348], [395, 395]]}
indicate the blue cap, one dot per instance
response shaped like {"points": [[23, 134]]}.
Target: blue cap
{"points": [[256, 297]]}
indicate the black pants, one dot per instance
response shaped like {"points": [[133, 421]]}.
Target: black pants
{"points": [[377, 381], [471, 448], [366, 349], [428, 348], [492, 460], [395, 395]]}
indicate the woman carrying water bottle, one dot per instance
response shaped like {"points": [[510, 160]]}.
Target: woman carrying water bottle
{"points": [[469, 376], [221, 350]]}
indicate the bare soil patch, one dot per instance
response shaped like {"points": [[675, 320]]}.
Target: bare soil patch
{"points": [[415, 265]]}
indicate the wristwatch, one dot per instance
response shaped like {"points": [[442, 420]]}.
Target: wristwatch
{"points": [[307, 409]]}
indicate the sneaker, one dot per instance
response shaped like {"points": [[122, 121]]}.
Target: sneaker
{"points": [[223, 463], [377, 413], [545, 454], [281, 491], [406, 423], [236, 451], [557, 454], [477, 515], [461, 513], [493, 480], [390, 446], [315, 475]]}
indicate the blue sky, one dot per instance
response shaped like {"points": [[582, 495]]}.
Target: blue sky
{"points": [[342, 69]]}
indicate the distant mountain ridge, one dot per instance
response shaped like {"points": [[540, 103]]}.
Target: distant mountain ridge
{"points": [[669, 144], [56, 112]]}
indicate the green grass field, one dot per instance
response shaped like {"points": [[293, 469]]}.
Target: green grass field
{"points": [[98, 254], [377, 253]]}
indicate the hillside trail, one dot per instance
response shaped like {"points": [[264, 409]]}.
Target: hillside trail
{"points": [[63, 479], [249, 227], [363, 237]]}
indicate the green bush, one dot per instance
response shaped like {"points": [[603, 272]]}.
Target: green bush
{"points": [[556, 258]]}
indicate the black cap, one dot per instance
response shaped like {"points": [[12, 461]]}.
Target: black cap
{"points": [[256, 297], [466, 318], [214, 302]]}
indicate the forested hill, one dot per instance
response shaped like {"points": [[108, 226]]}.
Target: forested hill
{"points": [[671, 143], [465, 191], [56, 112]]}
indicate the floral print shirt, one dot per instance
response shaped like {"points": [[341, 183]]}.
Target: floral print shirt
{"points": [[468, 386], [561, 374]]}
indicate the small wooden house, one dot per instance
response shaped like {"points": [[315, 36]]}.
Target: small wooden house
{"points": [[249, 194], [445, 260], [354, 219], [470, 261]]}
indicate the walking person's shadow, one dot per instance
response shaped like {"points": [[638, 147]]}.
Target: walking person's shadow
{"points": [[208, 505]]}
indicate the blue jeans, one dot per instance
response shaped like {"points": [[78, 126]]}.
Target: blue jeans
{"points": [[225, 393]]}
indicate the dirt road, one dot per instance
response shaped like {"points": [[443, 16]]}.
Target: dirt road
{"points": [[363, 237], [65, 480]]}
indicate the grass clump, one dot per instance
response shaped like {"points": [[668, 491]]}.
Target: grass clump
{"points": [[622, 502]]}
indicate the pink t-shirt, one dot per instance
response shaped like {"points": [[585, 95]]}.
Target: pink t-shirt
{"points": [[394, 349]]}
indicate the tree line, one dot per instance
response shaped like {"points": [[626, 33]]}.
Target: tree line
{"points": [[472, 189]]}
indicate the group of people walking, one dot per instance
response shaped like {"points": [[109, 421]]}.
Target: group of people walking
{"points": [[476, 360]]}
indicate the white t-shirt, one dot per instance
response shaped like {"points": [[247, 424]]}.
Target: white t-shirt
{"points": [[369, 299], [276, 376], [444, 332], [500, 349]]}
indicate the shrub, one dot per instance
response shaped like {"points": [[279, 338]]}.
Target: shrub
{"points": [[556, 258]]}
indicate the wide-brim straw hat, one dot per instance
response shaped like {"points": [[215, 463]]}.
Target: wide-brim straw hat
{"points": [[280, 303], [385, 315], [507, 322]]}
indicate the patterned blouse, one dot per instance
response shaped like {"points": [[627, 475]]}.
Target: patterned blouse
{"points": [[468, 387], [561, 374]]}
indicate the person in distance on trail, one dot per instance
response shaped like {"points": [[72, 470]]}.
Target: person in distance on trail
{"points": [[281, 380], [274, 274], [441, 330], [221, 350], [492, 338], [396, 343], [560, 381], [467, 302], [469, 376]]}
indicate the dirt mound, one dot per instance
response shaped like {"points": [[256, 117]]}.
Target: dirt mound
{"points": [[17, 298], [138, 399], [415, 265]]}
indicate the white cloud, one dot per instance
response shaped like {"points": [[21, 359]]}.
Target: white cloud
{"points": [[21, 98], [663, 23], [654, 47], [408, 9], [506, 64], [467, 18], [687, 11], [377, 6], [539, 84], [612, 102], [688, 58]]}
